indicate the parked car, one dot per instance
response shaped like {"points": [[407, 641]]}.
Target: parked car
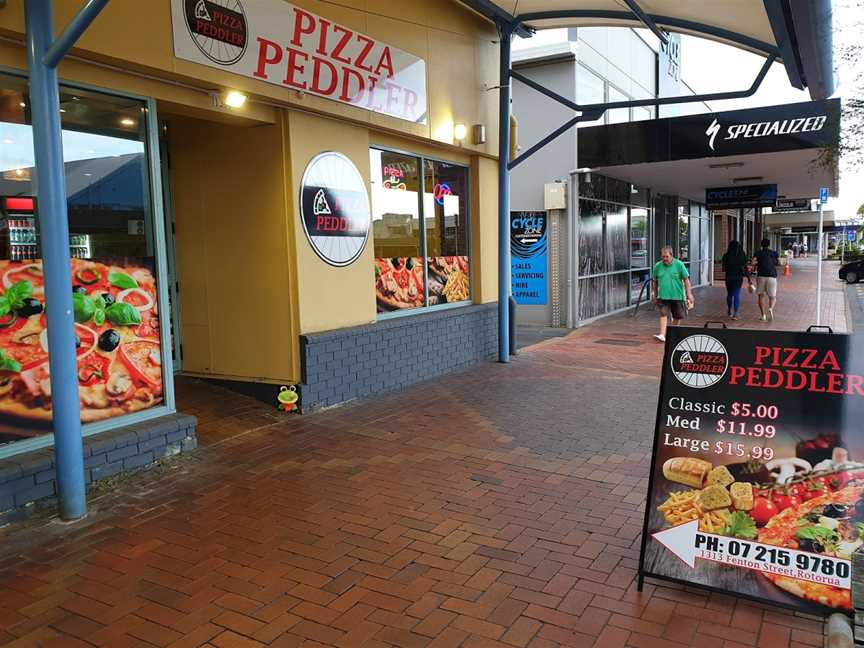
{"points": [[853, 271]]}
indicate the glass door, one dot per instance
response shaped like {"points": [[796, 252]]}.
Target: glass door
{"points": [[170, 250]]}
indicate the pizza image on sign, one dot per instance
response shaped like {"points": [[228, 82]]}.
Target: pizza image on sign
{"points": [[334, 208]]}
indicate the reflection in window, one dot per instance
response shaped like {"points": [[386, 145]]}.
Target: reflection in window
{"points": [[617, 256], [421, 246], [399, 280], [684, 237], [589, 90], [113, 267], [590, 238], [445, 209], [618, 115]]}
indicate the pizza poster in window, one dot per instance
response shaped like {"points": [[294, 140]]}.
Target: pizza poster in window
{"points": [[115, 307]]}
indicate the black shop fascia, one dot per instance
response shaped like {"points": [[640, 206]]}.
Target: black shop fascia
{"points": [[686, 156]]}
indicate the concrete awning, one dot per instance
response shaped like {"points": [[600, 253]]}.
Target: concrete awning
{"points": [[797, 30]]}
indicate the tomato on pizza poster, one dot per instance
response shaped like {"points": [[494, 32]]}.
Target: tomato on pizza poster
{"points": [[116, 337], [757, 476]]}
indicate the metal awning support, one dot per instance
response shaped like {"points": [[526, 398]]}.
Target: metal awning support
{"points": [[591, 112], [507, 26], [43, 55], [647, 20]]}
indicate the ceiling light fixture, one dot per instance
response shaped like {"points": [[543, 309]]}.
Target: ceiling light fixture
{"points": [[127, 122], [726, 165]]}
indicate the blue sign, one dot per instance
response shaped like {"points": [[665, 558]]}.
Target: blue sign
{"points": [[529, 257], [851, 235], [823, 195]]}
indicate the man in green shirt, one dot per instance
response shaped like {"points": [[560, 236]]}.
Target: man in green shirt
{"points": [[671, 287]]}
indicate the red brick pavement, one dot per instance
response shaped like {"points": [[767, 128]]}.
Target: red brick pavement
{"points": [[497, 507]]}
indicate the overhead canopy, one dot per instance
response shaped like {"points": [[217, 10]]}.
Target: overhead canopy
{"points": [[782, 145], [799, 31]]}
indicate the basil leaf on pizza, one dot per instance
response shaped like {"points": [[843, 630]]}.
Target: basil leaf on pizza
{"points": [[7, 363], [122, 280], [15, 296], [83, 306], [122, 314]]}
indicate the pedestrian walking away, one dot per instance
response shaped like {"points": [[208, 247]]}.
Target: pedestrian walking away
{"points": [[671, 290], [766, 261], [735, 269]]}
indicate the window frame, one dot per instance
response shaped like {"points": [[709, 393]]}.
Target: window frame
{"points": [[427, 308], [156, 198]]}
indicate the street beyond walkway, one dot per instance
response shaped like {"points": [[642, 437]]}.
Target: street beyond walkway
{"points": [[501, 506]]}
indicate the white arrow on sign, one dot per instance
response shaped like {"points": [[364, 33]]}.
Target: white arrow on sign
{"points": [[688, 544]]}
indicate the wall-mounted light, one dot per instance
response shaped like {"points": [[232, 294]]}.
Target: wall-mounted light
{"points": [[748, 179], [228, 99], [459, 132], [126, 121], [234, 99], [479, 134]]}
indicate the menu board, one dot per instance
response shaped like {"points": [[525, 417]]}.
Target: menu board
{"points": [[757, 471], [115, 307]]}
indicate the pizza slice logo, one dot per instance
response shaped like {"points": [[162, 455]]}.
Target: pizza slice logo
{"points": [[320, 205], [201, 12]]}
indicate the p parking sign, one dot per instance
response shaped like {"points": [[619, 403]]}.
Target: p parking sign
{"points": [[823, 195]]}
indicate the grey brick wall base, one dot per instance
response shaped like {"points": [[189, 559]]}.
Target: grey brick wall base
{"points": [[29, 477], [362, 361]]}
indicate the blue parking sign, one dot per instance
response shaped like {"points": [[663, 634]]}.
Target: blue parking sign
{"points": [[850, 235], [823, 195]]}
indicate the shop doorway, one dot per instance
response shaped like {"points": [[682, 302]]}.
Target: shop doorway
{"points": [[171, 251]]}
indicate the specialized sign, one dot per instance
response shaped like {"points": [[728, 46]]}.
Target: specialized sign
{"points": [[792, 204], [757, 474], [285, 45], [823, 195], [334, 208], [744, 196], [528, 257], [774, 129]]}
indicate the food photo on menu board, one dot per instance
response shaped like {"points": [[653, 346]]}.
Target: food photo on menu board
{"points": [[757, 484], [116, 336], [399, 281]]}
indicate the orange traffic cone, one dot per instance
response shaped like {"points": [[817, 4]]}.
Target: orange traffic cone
{"points": [[786, 270]]}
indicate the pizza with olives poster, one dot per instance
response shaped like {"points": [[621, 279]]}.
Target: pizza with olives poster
{"points": [[116, 337], [757, 476]]}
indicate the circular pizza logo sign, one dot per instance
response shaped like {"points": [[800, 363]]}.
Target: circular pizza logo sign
{"points": [[218, 28], [334, 208], [699, 361]]}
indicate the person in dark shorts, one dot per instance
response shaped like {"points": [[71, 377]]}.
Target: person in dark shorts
{"points": [[670, 282], [735, 268], [766, 261]]}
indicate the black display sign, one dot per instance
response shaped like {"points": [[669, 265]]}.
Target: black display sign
{"points": [[757, 473], [763, 195], [790, 127], [792, 204], [334, 208]]}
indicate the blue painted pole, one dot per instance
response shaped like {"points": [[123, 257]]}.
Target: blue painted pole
{"points": [[73, 31], [505, 31], [54, 230]]}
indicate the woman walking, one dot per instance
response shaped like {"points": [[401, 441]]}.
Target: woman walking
{"points": [[735, 267]]}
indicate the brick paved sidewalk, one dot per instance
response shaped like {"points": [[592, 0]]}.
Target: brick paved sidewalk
{"points": [[497, 507]]}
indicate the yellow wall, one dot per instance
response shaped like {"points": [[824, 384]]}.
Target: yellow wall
{"points": [[329, 297], [458, 47], [233, 250], [484, 228]]}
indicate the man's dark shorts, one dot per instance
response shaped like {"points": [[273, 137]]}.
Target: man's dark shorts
{"points": [[676, 308]]}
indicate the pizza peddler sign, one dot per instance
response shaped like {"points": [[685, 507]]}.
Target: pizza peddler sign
{"points": [[285, 45], [757, 476]]}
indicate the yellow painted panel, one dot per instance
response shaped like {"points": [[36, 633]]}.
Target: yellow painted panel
{"points": [[232, 246], [329, 297], [484, 228], [196, 348]]}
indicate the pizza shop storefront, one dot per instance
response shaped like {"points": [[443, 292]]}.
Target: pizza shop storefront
{"points": [[248, 205]]}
